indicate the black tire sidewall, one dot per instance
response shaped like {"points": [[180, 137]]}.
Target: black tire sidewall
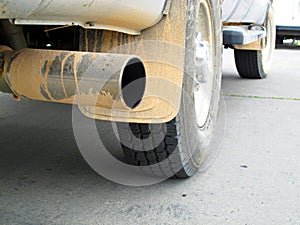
{"points": [[194, 140]]}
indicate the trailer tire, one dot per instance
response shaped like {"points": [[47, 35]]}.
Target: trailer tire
{"points": [[256, 64]]}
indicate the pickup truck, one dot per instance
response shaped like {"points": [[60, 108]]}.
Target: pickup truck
{"points": [[152, 68]]}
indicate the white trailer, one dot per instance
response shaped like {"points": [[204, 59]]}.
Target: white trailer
{"points": [[287, 14]]}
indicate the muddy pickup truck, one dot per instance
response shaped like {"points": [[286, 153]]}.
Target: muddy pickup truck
{"points": [[152, 68]]}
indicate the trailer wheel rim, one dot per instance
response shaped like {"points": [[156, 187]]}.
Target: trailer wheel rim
{"points": [[267, 52], [204, 57]]}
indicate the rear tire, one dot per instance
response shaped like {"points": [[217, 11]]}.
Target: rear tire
{"points": [[179, 147], [254, 64]]}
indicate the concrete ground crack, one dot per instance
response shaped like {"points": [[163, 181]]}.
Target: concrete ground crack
{"points": [[261, 97]]}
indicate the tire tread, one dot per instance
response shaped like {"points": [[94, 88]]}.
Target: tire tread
{"points": [[247, 64]]}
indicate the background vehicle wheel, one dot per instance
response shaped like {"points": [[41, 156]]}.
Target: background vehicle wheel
{"points": [[279, 40], [182, 142], [257, 64]]}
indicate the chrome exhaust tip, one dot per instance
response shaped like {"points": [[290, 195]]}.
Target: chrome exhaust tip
{"points": [[83, 78]]}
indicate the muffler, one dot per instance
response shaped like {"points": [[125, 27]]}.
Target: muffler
{"points": [[89, 79]]}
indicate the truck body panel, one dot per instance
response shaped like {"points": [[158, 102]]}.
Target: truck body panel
{"points": [[128, 16], [244, 11], [287, 13]]}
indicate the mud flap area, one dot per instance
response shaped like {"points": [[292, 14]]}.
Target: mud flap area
{"points": [[162, 49]]}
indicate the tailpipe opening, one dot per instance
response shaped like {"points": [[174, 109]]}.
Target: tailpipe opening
{"points": [[133, 82]]}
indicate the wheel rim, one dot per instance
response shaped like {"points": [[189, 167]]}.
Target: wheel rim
{"points": [[204, 57], [267, 52]]}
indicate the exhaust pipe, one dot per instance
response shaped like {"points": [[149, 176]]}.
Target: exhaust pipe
{"points": [[92, 79]]}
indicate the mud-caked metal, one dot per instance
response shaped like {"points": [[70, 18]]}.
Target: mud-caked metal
{"points": [[128, 16], [70, 77]]}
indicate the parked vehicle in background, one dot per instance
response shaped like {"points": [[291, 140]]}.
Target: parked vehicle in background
{"points": [[69, 53], [249, 29], [287, 13]]}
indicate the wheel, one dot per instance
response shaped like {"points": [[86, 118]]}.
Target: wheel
{"points": [[254, 64], [181, 144]]}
